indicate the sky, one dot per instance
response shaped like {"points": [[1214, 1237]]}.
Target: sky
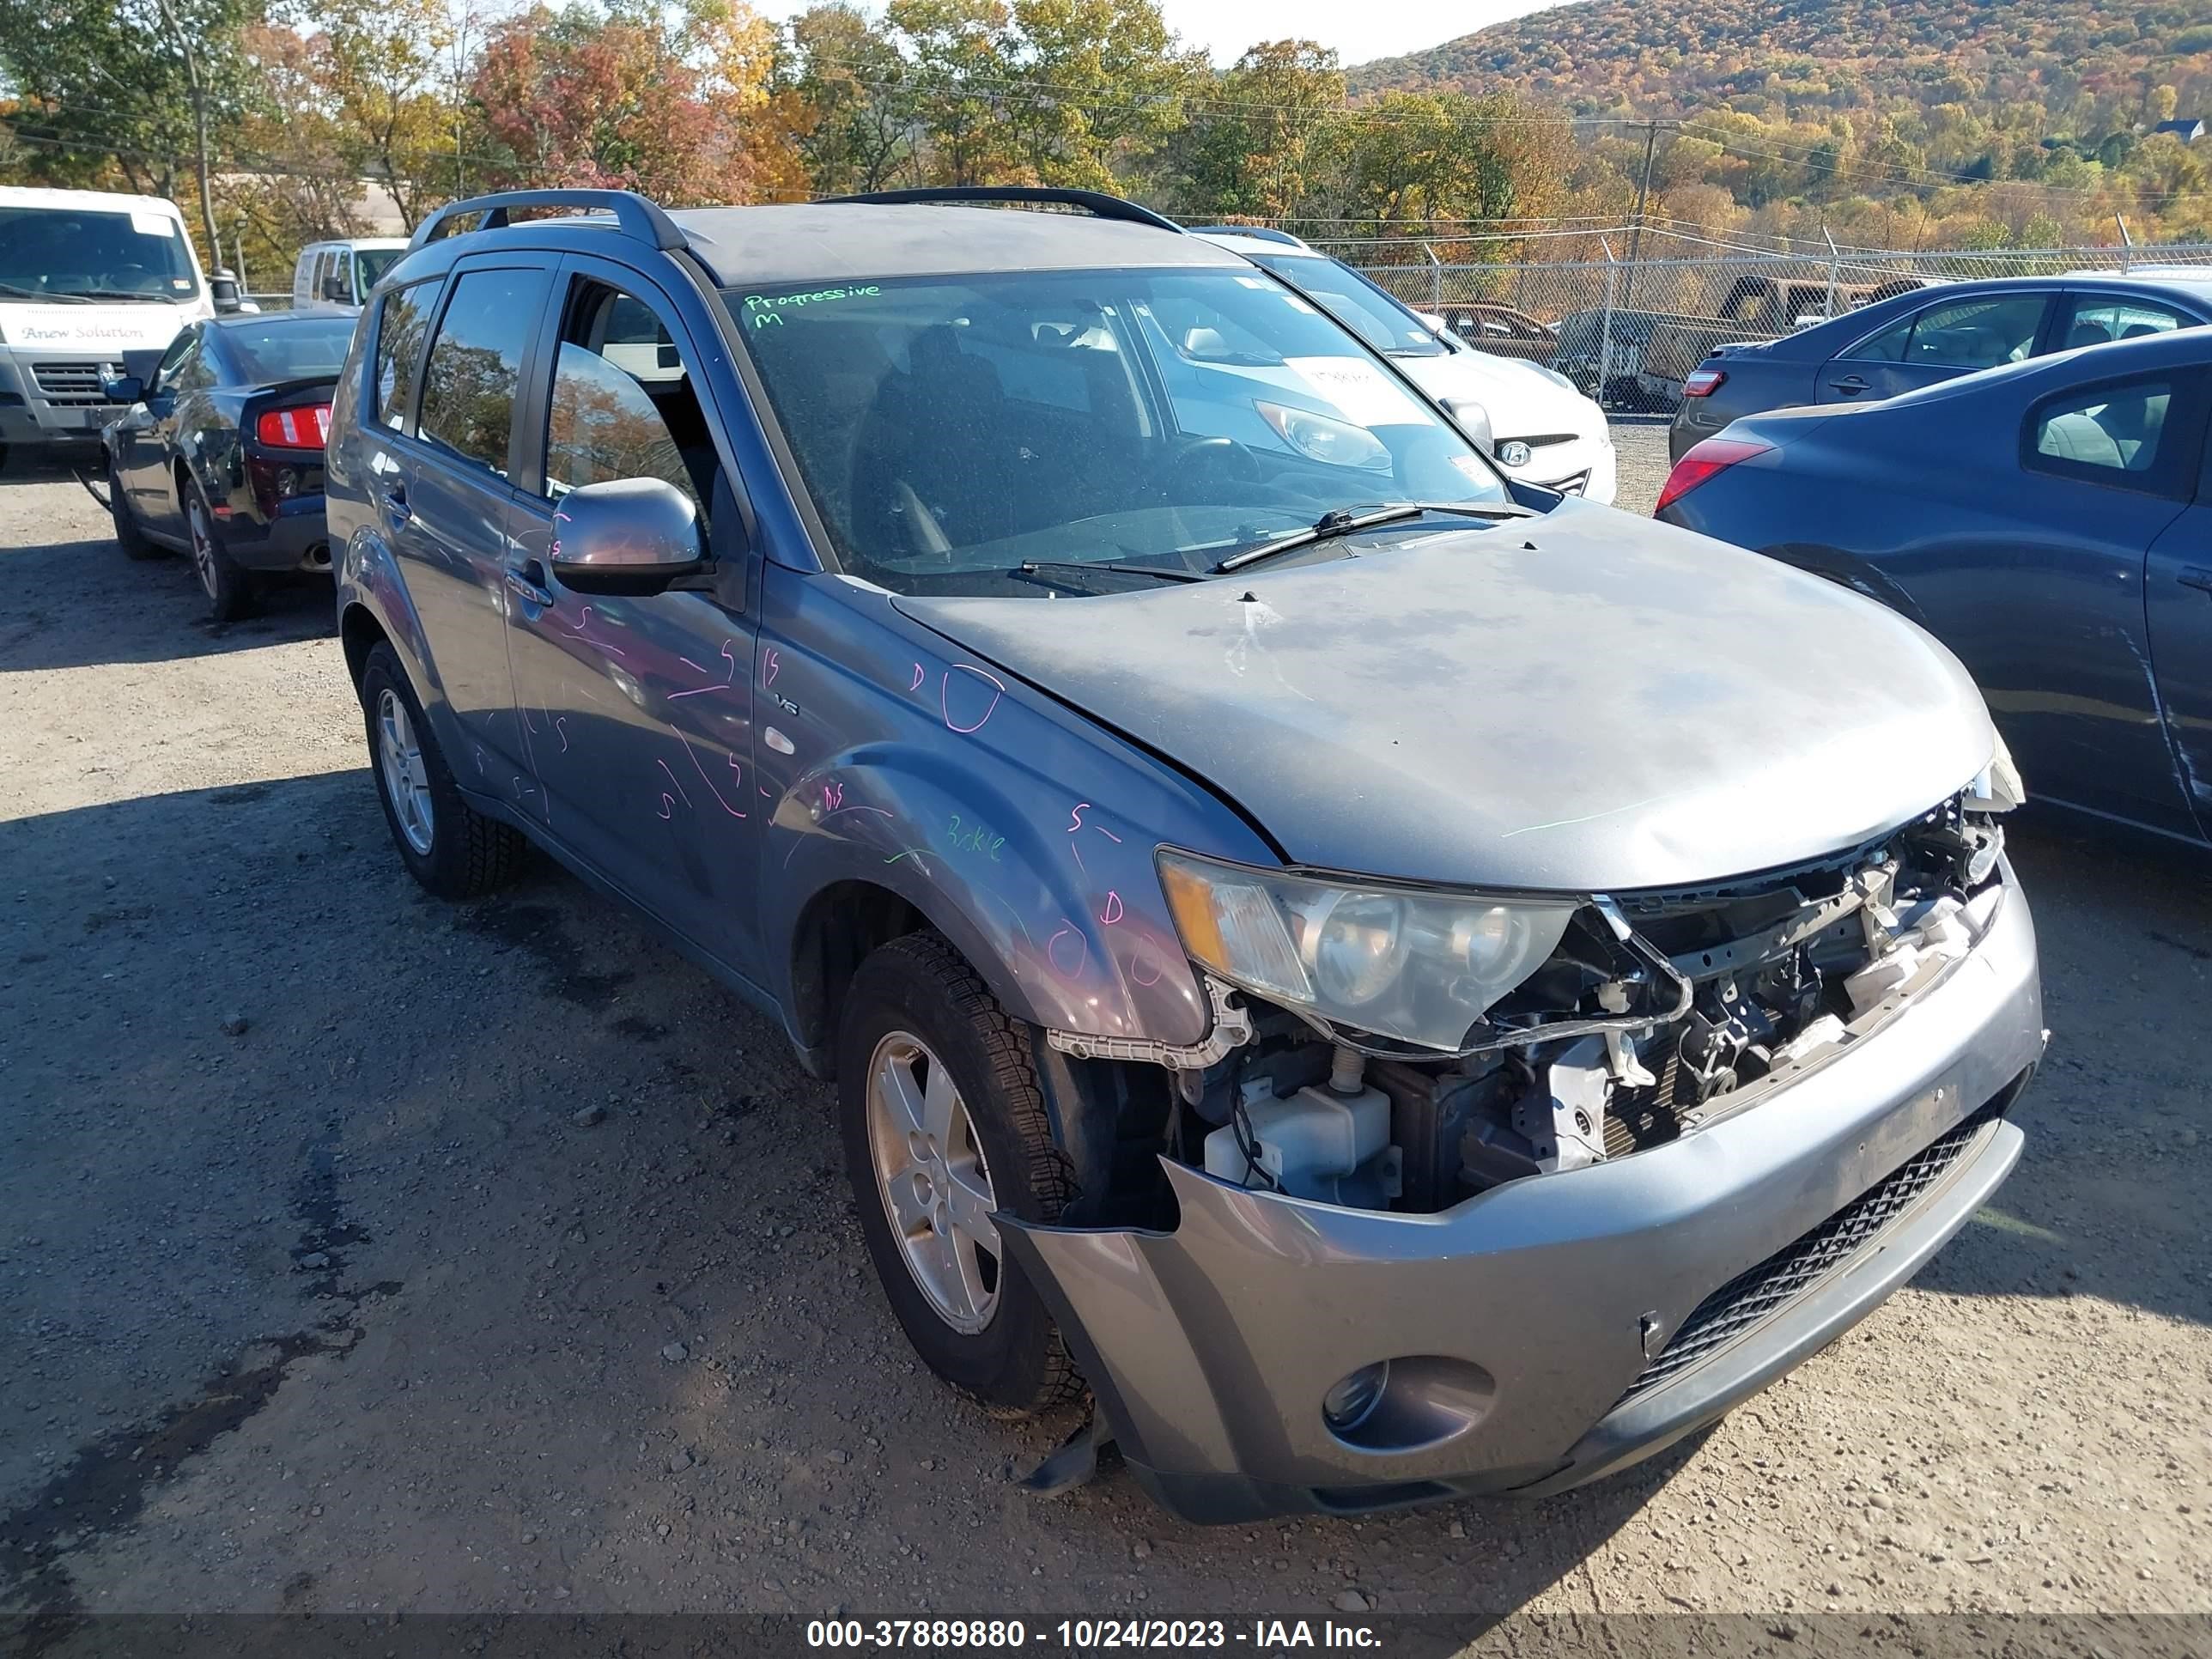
{"points": [[1358, 29]]}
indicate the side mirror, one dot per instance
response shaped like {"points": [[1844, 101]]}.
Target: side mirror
{"points": [[124, 389], [338, 288], [222, 289], [1431, 322], [1474, 421], [627, 536]]}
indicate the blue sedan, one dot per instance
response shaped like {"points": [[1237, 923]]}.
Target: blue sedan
{"points": [[2050, 522]]}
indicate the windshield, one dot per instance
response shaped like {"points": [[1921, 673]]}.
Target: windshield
{"points": [[63, 253], [952, 429], [289, 347], [369, 265], [1377, 317]]}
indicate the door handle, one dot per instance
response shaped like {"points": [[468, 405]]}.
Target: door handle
{"points": [[395, 502], [2196, 576], [529, 580], [1849, 385]]}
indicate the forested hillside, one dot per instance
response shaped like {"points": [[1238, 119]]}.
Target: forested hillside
{"points": [[1829, 100]]}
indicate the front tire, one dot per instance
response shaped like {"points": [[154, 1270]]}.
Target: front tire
{"points": [[229, 588], [448, 846], [943, 1123]]}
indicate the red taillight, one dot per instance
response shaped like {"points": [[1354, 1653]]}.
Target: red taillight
{"points": [[1704, 382], [1713, 455], [307, 427]]}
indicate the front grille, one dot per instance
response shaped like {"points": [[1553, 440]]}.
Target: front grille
{"points": [[1756, 1295], [74, 385], [1571, 486]]}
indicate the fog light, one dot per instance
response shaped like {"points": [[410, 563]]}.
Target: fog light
{"points": [[1353, 1400]]}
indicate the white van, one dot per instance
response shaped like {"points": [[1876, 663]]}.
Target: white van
{"points": [[337, 275], [89, 283]]}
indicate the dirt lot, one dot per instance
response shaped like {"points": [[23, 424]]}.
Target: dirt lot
{"points": [[357, 1252]]}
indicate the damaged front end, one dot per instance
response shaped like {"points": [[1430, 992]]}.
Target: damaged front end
{"points": [[1363, 1269]]}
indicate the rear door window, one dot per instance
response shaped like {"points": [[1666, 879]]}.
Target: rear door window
{"points": [[474, 367], [2123, 434], [402, 320]]}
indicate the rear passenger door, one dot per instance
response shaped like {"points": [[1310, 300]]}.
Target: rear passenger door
{"points": [[2177, 597], [1938, 341], [638, 712], [446, 502], [2050, 619]]}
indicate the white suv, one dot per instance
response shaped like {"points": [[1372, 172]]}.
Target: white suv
{"points": [[1543, 429]]}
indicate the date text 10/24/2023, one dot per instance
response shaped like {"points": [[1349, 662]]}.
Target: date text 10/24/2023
{"points": [[1258, 1636]]}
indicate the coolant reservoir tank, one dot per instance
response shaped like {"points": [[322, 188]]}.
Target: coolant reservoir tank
{"points": [[1306, 1142]]}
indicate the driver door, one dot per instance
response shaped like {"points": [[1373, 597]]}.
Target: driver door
{"points": [[1939, 341], [144, 439], [638, 711]]}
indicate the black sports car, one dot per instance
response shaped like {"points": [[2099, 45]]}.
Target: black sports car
{"points": [[220, 454]]}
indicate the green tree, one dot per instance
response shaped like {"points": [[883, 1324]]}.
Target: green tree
{"points": [[105, 90], [1413, 158], [1252, 144], [852, 78], [962, 52]]}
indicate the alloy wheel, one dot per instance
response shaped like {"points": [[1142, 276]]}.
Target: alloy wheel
{"points": [[399, 765], [933, 1179], [203, 536]]}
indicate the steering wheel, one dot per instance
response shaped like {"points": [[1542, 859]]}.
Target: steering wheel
{"points": [[1193, 459]]}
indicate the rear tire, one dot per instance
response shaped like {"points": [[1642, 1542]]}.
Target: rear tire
{"points": [[228, 587], [128, 536], [453, 849], [926, 1172]]}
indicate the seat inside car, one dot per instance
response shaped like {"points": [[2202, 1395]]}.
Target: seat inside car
{"points": [[934, 453]]}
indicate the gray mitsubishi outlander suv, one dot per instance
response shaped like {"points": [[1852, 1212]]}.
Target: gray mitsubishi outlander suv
{"points": [[1386, 981]]}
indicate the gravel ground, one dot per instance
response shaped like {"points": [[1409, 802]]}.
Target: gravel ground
{"points": [[1640, 443], [360, 1252]]}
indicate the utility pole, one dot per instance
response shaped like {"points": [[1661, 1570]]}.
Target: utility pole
{"points": [[1643, 195], [199, 127]]}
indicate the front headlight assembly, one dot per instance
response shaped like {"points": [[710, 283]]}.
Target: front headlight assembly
{"points": [[1417, 966]]}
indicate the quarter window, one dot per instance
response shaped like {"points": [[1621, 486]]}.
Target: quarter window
{"points": [[2112, 435], [474, 365], [401, 321]]}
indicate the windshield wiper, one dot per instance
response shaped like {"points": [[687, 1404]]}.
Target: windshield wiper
{"points": [[1159, 572], [137, 295], [41, 294], [1345, 522]]}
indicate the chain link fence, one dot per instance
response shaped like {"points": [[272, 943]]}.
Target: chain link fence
{"points": [[1628, 323]]}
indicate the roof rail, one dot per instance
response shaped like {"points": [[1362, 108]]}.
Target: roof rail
{"points": [[1096, 202], [1258, 233], [634, 215]]}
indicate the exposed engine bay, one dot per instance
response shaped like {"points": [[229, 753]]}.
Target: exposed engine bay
{"points": [[1655, 1013]]}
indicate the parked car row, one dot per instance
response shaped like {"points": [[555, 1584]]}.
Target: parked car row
{"points": [[1389, 980]]}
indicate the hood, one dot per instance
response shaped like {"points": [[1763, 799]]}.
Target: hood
{"points": [[1584, 702], [94, 327], [1522, 400]]}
